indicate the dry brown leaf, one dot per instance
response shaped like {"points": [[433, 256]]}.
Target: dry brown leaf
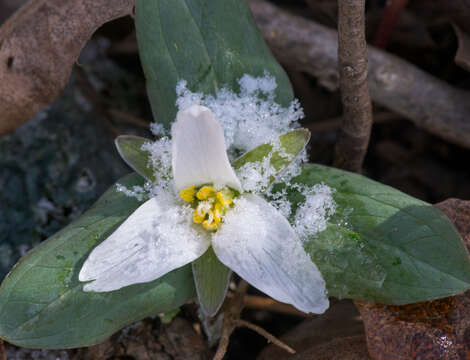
{"points": [[336, 335], [39, 45]]}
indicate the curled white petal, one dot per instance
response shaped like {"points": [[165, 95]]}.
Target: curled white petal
{"points": [[199, 155], [259, 244], [157, 238]]}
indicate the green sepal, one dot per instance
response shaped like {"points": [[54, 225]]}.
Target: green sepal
{"points": [[130, 149], [290, 145], [212, 279]]}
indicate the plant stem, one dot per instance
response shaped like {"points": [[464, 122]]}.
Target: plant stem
{"points": [[357, 109]]}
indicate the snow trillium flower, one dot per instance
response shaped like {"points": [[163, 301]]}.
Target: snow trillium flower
{"points": [[208, 208]]}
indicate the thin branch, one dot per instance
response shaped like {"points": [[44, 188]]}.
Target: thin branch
{"points": [[428, 102], [232, 309], [265, 334], [357, 108], [2, 351], [224, 341]]}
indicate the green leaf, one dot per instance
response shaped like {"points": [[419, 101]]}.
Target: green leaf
{"points": [[42, 304], [289, 146], [383, 245], [212, 279], [209, 43], [130, 149]]}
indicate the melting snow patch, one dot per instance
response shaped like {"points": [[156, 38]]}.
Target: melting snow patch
{"points": [[249, 118], [312, 215]]}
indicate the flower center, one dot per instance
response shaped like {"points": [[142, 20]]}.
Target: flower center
{"points": [[209, 205]]}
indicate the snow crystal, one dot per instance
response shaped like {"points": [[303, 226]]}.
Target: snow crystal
{"points": [[312, 215], [249, 118], [160, 161], [157, 129], [257, 176], [253, 85], [137, 192], [281, 203]]}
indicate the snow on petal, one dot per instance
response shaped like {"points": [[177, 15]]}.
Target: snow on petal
{"points": [[157, 238], [259, 244], [198, 151]]}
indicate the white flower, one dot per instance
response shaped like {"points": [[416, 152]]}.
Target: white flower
{"points": [[247, 234]]}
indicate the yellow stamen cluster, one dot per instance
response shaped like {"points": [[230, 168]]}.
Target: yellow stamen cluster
{"points": [[210, 205]]}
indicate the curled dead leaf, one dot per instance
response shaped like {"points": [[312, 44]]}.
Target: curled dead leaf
{"points": [[39, 45]]}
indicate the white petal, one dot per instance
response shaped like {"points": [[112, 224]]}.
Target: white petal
{"points": [[199, 154], [157, 238], [259, 244]]}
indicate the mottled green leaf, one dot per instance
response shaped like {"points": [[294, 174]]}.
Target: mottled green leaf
{"points": [[42, 304], [383, 245], [209, 43]]}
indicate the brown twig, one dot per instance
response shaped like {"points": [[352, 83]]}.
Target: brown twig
{"points": [[3, 356], [265, 334], [232, 310], [357, 108], [428, 102]]}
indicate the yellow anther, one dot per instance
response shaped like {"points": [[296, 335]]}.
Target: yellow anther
{"points": [[198, 219], [205, 193], [210, 206], [210, 225], [218, 212], [202, 210], [225, 197], [188, 194]]}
